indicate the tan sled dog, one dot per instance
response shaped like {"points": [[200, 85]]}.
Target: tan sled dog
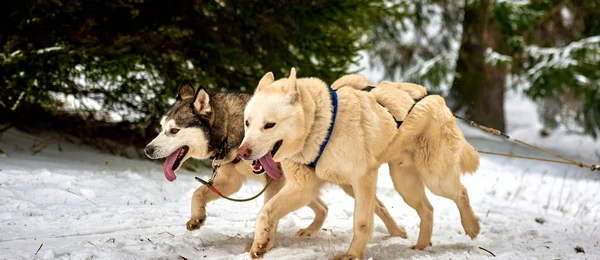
{"points": [[295, 121], [202, 125]]}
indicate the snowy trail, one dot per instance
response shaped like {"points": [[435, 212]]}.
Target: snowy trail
{"points": [[81, 204]]}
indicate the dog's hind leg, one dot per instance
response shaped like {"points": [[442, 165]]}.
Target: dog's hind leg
{"points": [[320, 209], [301, 187], [408, 183], [451, 188], [228, 181], [381, 211]]}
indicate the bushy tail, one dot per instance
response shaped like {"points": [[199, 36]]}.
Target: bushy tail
{"points": [[355, 81], [469, 159], [415, 91]]}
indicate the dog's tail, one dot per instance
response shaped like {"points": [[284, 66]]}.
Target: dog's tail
{"points": [[415, 91], [469, 159], [355, 81]]}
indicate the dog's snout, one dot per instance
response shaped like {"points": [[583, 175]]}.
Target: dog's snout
{"points": [[149, 150], [244, 152]]}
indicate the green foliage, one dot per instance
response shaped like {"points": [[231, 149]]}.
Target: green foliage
{"points": [[570, 75], [129, 56], [555, 49], [550, 46], [420, 43]]}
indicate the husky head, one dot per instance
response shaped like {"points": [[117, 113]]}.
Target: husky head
{"points": [[184, 130], [274, 121]]}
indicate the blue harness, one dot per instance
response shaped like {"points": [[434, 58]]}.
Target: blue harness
{"points": [[334, 102]]}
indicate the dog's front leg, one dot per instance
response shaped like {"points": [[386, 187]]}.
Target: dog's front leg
{"points": [[228, 181], [318, 207], [364, 188], [301, 187]]}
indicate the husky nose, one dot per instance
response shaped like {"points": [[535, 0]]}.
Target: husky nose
{"points": [[149, 150], [244, 152]]}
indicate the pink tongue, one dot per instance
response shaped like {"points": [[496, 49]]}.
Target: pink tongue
{"points": [[168, 166], [270, 167]]}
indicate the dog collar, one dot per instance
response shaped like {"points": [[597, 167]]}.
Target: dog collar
{"points": [[334, 103]]}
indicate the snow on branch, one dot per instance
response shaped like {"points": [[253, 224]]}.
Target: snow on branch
{"points": [[494, 58], [584, 51]]}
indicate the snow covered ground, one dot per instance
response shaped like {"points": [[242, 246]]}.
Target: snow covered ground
{"points": [[68, 201]]}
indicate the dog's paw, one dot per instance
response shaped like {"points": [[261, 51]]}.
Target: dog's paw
{"points": [[472, 230], [259, 249], [420, 246], [306, 232], [345, 256], [398, 232], [195, 223]]}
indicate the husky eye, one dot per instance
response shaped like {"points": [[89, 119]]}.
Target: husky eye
{"points": [[269, 125], [174, 131], [247, 123]]}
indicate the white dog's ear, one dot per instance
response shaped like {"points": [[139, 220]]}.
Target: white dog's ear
{"points": [[293, 91], [186, 91], [293, 74], [266, 79], [202, 102]]}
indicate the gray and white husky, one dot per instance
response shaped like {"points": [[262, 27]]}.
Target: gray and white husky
{"points": [[203, 125]]}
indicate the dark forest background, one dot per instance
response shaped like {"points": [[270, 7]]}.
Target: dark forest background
{"points": [[121, 61]]}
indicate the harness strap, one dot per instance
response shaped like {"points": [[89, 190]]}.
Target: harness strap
{"points": [[398, 122], [220, 155], [213, 189], [564, 160], [334, 103]]}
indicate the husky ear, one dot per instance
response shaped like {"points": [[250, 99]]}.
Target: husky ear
{"points": [[202, 102], [266, 79], [293, 91], [186, 91]]}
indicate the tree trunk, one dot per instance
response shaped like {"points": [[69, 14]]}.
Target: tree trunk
{"points": [[478, 88]]}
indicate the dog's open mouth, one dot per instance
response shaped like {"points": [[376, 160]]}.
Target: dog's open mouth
{"points": [[173, 162], [276, 147], [257, 167], [266, 163]]}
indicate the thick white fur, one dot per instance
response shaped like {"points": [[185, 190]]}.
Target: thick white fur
{"points": [[428, 150]]}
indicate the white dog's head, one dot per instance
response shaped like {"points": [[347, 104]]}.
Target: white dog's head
{"points": [[185, 131], [274, 121]]}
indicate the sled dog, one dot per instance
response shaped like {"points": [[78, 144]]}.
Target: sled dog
{"points": [[343, 135]]}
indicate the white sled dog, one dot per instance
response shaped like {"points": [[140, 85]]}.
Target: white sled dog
{"points": [[203, 125], [343, 135]]}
